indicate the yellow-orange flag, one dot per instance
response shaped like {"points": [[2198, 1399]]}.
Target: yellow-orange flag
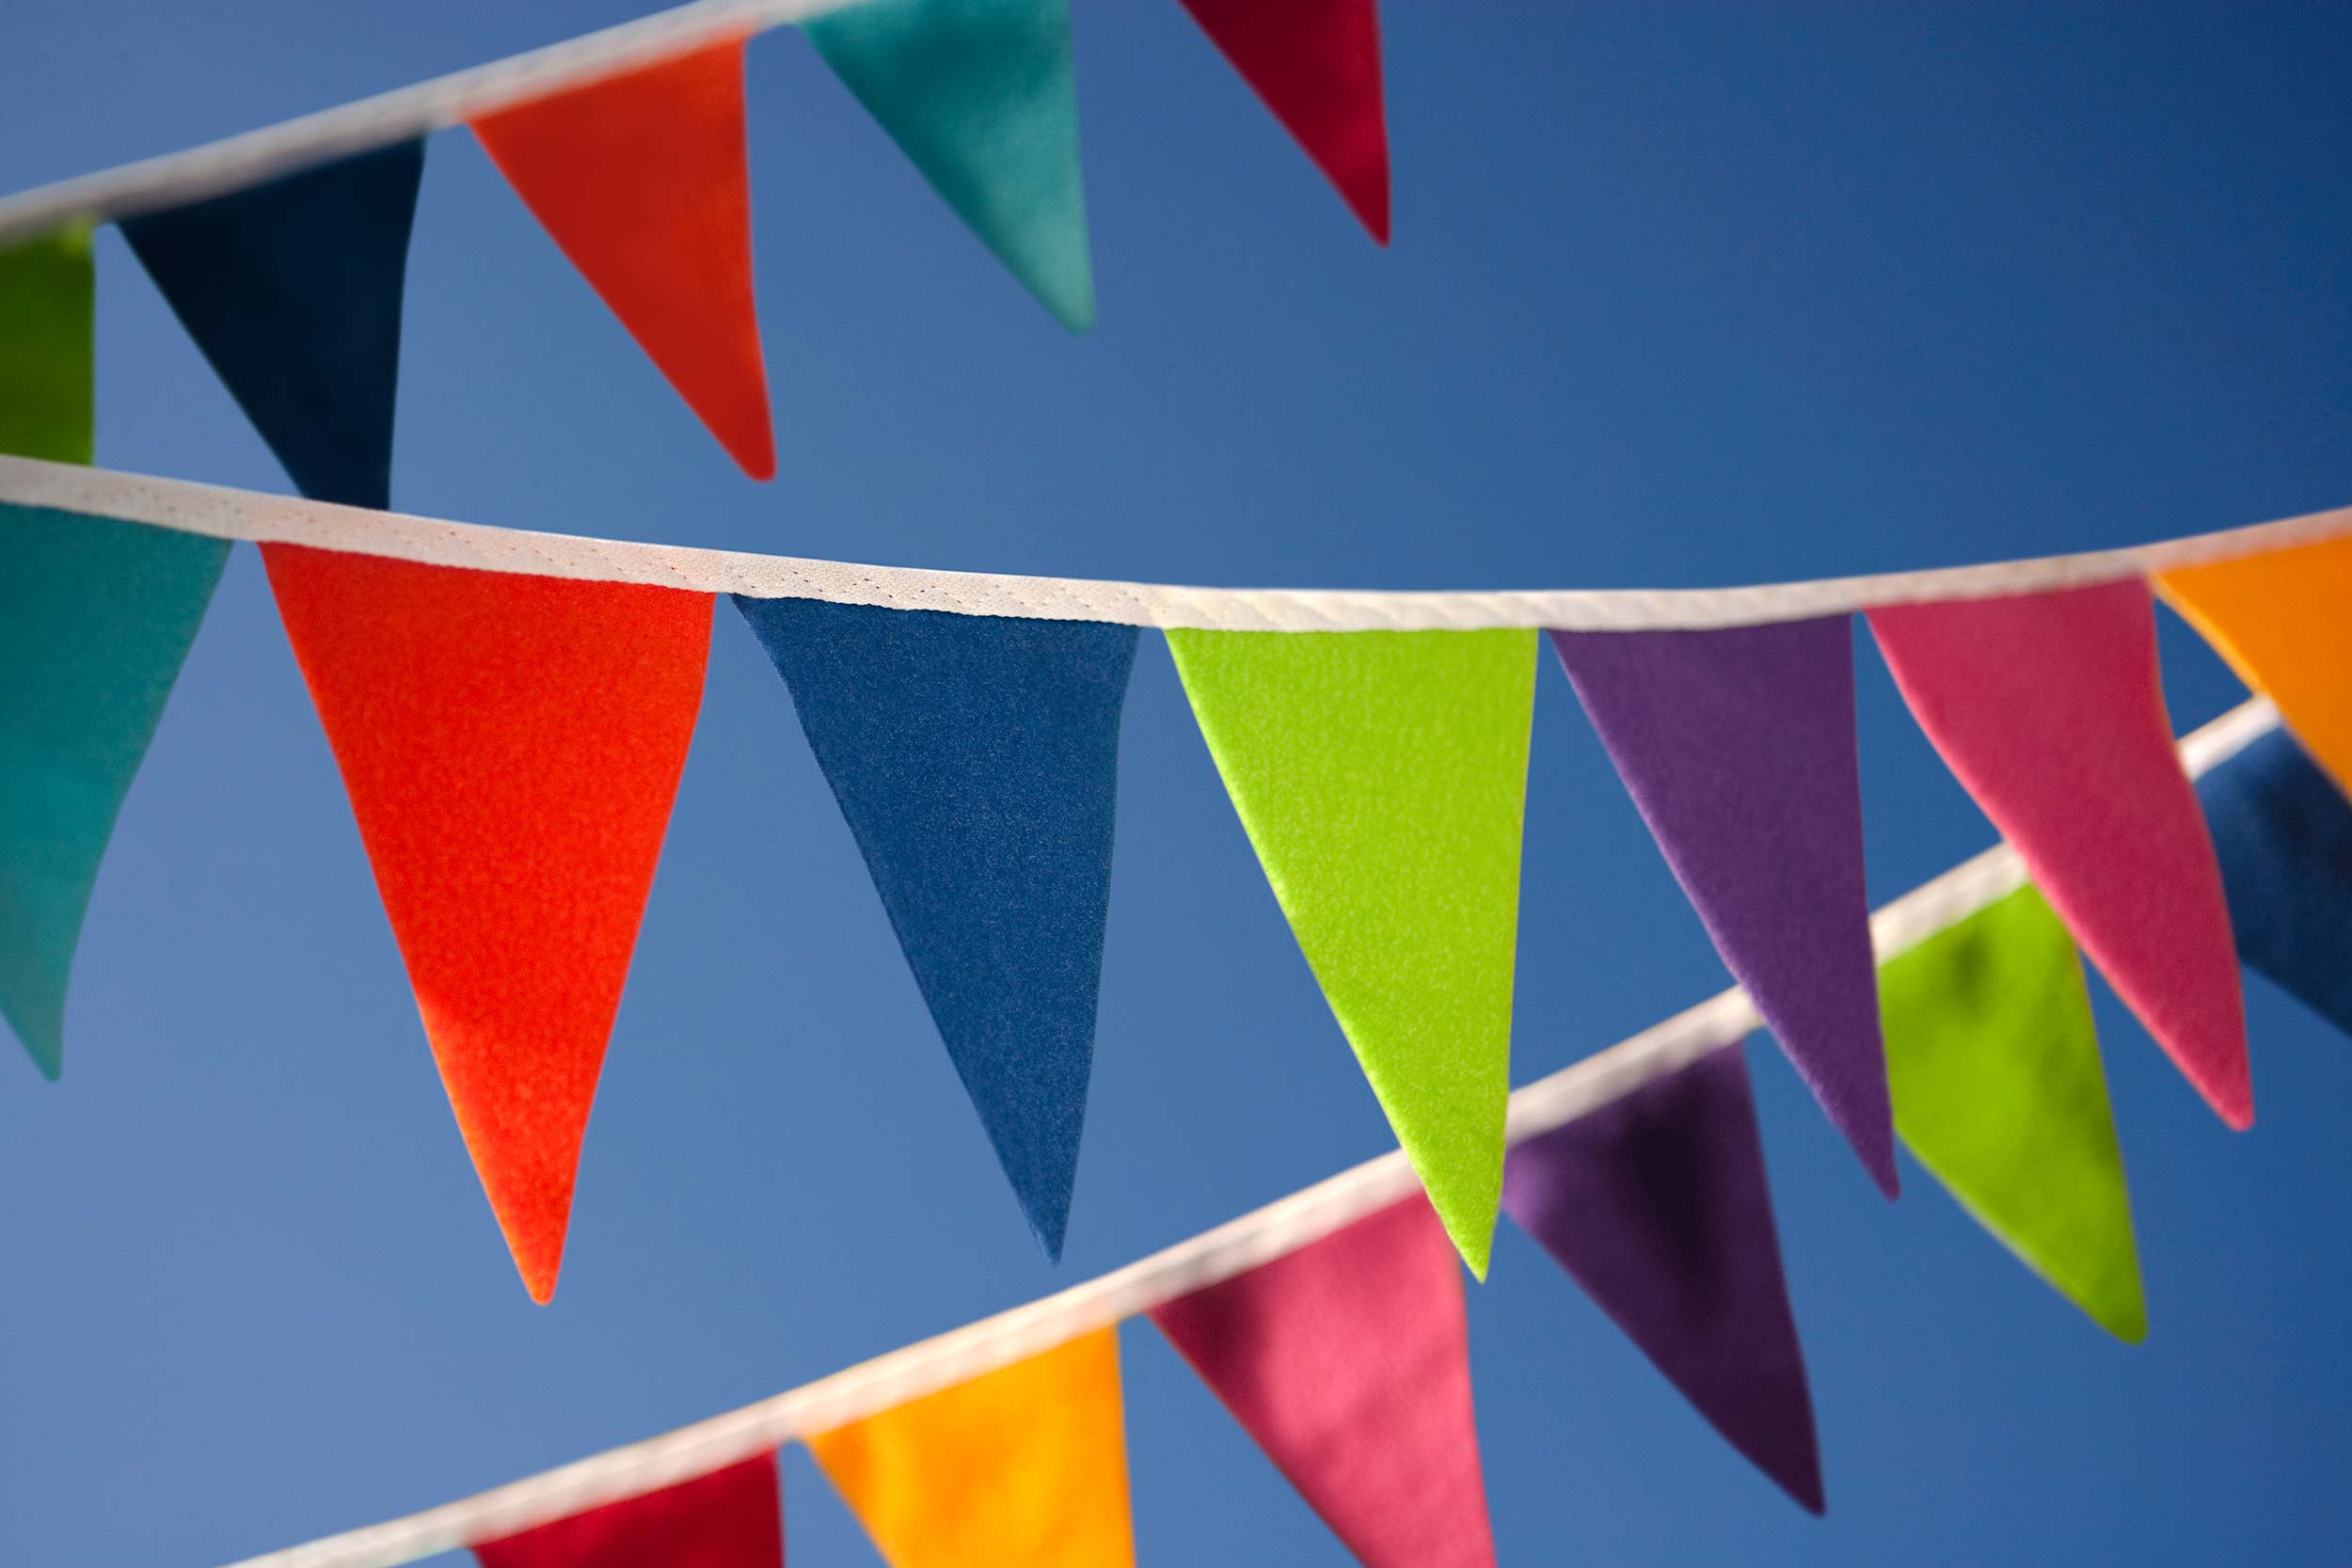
{"points": [[2280, 619], [1027, 1464]]}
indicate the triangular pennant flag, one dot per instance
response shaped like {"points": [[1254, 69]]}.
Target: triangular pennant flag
{"points": [[642, 181], [1658, 1204], [977, 759], [1382, 776], [1316, 64], [730, 1518], [1999, 1092], [1348, 1362], [980, 94], [2280, 621], [96, 617], [1025, 1465], [2048, 709], [511, 745], [2285, 836], [293, 291], [48, 380], [1738, 746]]}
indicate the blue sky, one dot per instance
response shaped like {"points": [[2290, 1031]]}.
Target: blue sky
{"points": [[1680, 295]]}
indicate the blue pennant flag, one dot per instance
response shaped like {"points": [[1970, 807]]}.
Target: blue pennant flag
{"points": [[2283, 833], [293, 291], [977, 759]]}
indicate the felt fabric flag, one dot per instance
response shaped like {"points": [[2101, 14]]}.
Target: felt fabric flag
{"points": [[1382, 777], [1025, 1465], [642, 181], [96, 617], [730, 1518], [1999, 1091], [980, 94], [2280, 620], [48, 383], [1738, 746], [977, 759], [2048, 709], [1658, 1206], [2285, 836], [1316, 64], [511, 745], [1348, 1362], [293, 290]]}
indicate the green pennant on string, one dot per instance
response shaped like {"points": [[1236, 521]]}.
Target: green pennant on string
{"points": [[980, 95], [47, 384], [1382, 777], [1994, 1065]]}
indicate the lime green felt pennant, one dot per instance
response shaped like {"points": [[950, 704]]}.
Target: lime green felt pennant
{"points": [[1994, 1065], [47, 287], [1382, 777]]}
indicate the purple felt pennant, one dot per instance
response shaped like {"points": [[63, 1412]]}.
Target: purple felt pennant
{"points": [[1656, 1205], [1738, 746]]}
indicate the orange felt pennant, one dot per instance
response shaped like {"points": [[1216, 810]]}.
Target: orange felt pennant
{"points": [[511, 745], [642, 181]]}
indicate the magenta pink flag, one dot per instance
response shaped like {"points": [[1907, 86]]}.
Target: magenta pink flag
{"points": [[1349, 1363], [2047, 707]]}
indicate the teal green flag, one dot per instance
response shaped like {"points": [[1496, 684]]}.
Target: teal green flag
{"points": [[980, 95], [1382, 776], [1994, 1065], [46, 399]]}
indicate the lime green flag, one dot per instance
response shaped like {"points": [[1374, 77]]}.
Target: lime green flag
{"points": [[1994, 1065], [1382, 776], [46, 381]]}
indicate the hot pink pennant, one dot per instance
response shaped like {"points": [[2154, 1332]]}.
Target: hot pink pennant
{"points": [[1348, 1361], [730, 1518], [2047, 707]]}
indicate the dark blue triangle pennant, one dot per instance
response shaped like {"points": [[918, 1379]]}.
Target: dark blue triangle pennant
{"points": [[293, 291], [2283, 833], [977, 758]]}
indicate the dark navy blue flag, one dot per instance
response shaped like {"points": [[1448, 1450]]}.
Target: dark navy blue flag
{"points": [[977, 758], [2283, 832], [293, 291]]}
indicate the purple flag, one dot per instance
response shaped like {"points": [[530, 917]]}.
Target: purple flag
{"points": [[1738, 746], [1656, 1205]]}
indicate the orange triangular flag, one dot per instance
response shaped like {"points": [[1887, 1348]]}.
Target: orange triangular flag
{"points": [[2280, 621], [1027, 1464], [642, 181], [511, 745]]}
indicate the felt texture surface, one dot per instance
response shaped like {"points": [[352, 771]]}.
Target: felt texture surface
{"points": [[293, 291], [730, 1518], [2281, 621], [1348, 1362], [644, 181], [1025, 1465], [96, 617], [1999, 1092], [2284, 835], [48, 376], [1382, 777], [977, 759], [511, 745], [980, 95], [2047, 709], [1316, 65], [1738, 746], [1657, 1204]]}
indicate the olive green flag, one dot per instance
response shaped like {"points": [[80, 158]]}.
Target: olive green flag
{"points": [[46, 377], [1382, 777], [1994, 1065]]}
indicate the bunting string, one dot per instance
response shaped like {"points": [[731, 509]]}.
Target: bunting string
{"points": [[1234, 1248], [221, 512]]}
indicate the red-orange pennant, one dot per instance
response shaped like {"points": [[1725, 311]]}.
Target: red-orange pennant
{"points": [[642, 182], [511, 745]]}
